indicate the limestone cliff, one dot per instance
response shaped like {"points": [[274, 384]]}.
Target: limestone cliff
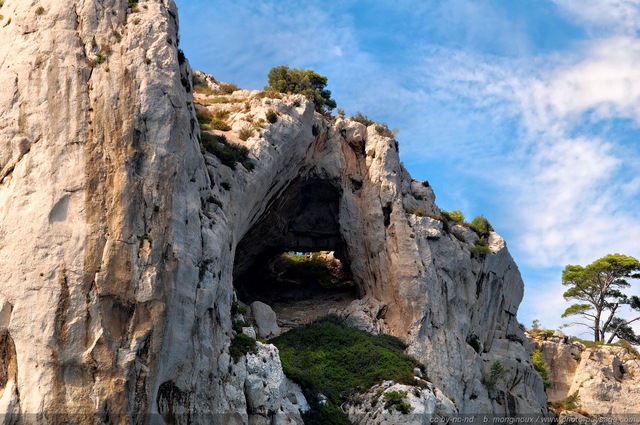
{"points": [[120, 240], [606, 379]]}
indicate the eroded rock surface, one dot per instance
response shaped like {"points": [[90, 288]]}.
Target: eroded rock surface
{"points": [[422, 405], [606, 378], [120, 240]]}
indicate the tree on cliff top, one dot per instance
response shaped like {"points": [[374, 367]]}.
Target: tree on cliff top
{"points": [[599, 285], [303, 81]]}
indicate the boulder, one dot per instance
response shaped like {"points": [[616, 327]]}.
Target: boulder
{"points": [[265, 320]]}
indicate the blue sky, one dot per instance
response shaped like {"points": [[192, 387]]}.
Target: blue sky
{"points": [[527, 112]]}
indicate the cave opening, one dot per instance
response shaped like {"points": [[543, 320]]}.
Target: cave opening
{"points": [[294, 257]]}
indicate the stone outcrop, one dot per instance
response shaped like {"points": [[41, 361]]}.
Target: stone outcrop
{"points": [[606, 378], [265, 320], [423, 405], [121, 241]]}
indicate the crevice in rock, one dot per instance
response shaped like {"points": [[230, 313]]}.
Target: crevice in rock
{"points": [[387, 210], [8, 359]]}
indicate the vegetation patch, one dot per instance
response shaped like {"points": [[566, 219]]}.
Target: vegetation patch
{"points": [[226, 88], [310, 271], [245, 133], [620, 343], [541, 367], [325, 414], [481, 226], [480, 251], [241, 345], [228, 153], [497, 371], [456, 216], [217, 124], [306, 82], [416, 211], [327, 357], [383, 130], [272, 116], [201, 86], [362, 119], [395, 401], [568, 403]]}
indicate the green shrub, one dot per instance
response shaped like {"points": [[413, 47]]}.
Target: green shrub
{"points": [[330, 358], [482, 240], [228, 153], [541, 367], [416, 211], [203, 117], [226, 88], [245, 133], [590, 344], [237, 308], [481, 226], [201, 86], [272, 116], [497, 371], [395, 401], [383, 130], [626, 344], [303, 81], [100, 58], [299, 268], [325, 414], [217, 124], [221, 114], [570, 402], [547, 333], [425, 183], [238, 325], [242, 345], [362, 119], [456, 216], [40, 11], [480, 251]]}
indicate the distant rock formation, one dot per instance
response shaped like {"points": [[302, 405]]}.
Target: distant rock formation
{"points": [[121, 236], [606, 378]]}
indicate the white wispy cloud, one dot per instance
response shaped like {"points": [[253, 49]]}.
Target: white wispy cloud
{"points": [[569, 188], [620, 16]]}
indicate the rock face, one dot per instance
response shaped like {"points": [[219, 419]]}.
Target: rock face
{"points": [[120, 241], [607, 378], [425, 405]]}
